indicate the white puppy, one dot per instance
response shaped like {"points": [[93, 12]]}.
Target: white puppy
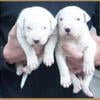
{"points": [[73, 31], [35, 26]]}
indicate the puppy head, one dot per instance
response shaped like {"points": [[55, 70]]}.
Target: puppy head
{"points": [[71, 21], [36, 24]]}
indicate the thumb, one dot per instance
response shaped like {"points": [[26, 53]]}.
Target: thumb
{"points": [[72, 52]]}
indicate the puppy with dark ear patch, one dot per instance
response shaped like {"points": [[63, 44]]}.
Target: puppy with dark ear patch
{"points": [[35, 29], [73, 31]]}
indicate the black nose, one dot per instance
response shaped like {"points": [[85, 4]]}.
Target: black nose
{"points": [[67, 30], [36, 41]]}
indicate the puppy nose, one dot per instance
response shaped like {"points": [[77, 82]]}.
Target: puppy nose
{"points": [[36, 41], [67, 30]]}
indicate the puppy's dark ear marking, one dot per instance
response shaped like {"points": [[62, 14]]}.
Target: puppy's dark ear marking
{"points": [[85, 20], [84, 17], [23, 24]]}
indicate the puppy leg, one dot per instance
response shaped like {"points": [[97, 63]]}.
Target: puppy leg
{"points": [[88, 61], [25, 75], [76, 83], [65, 79], [88, 68], [85, 85], [48, 58]]}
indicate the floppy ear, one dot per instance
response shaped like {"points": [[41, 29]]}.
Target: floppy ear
{"points": [[21, 24], [86, 16], [20, 21], [22, 17]]}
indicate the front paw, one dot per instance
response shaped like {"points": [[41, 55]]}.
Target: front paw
{"points": [[86, 90], [65, 81], [32, 63], [76, 86], [19, 71], [48, 59], [88, 70]]}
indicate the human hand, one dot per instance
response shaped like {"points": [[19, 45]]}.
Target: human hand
{"points": [[76, 58], [97, 56], [13, 52]]}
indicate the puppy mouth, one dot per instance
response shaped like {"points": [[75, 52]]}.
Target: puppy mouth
{"points": [[70, 36], [36, 45], [74, 35]]}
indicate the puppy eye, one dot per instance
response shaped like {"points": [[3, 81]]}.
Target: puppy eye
{"points": [[78, 19], [29, 28], [44, 27], [61, 19]]}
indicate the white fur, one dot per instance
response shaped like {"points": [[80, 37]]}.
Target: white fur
{"points": [[75, 19], [36, 24]]}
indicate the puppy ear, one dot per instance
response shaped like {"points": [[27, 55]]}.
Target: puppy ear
{"points": [[86, 16], [53, 23], [21, 23], [21, 18]]}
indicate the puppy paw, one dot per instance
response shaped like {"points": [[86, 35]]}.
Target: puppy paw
{"points": [[88, 70], [87, 91], [77, 87], [48, 59], [65, 81], [19, 72], [27, 70], [32, 63]]}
